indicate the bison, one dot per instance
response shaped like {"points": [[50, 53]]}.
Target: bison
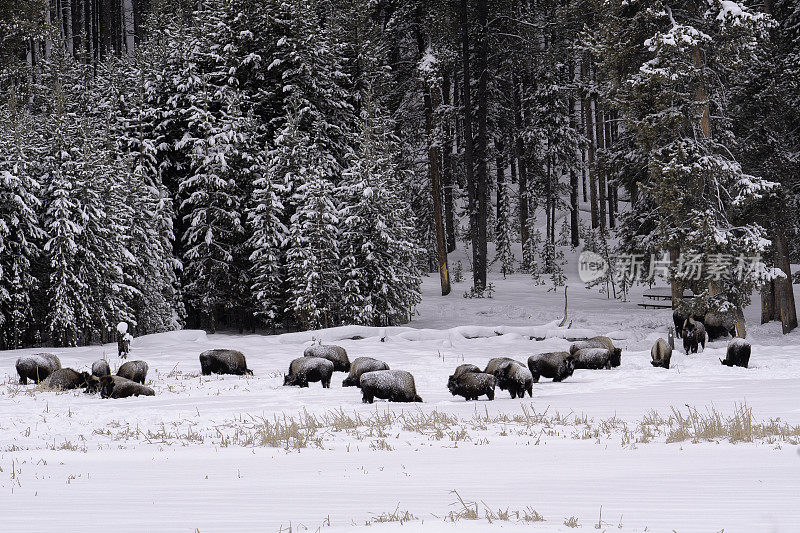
{"points": [[471, 385], [221, 361], [557, 366], [738, 353], [304, 370], [36, 367], [362, 365], [66, 379], [134, 371], [120, 387], [335, 354], [392, 385]]}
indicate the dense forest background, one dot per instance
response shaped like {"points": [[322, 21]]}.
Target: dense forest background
{"points": [[295, 164]]}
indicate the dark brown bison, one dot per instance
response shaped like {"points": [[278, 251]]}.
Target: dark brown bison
{"points": [[134, 371], [362, 365], [66, 379], [335, 354], [221, 361], [36, 367], [120, 387], [555, 365], [738, 353], [472, 385], [305, 370], [392, 385]]}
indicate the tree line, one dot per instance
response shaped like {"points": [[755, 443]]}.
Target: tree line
{"points": [[299, 164]]}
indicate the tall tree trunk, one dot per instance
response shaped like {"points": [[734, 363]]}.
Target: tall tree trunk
{"points": [[482, 175], [468, 149], [601, 176], [521, 167], [447, 170], [588, 114], [784, 292], [128, 27], [677, 286], [431, 101], [769, 308], [67, 25], [574, 219], [48, 40], [501, 186]]}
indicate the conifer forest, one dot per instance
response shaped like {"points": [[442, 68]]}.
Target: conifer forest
{"points": [[285, 165]]}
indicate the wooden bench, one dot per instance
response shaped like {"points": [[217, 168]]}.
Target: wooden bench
{"points": [[654, 305], [662, 298]]}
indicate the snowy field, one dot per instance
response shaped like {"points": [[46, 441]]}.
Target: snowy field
{"points": [[699, 447]]}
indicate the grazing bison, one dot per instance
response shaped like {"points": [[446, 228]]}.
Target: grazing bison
{"points": [[738, 353], [66, 379], [595, 359], [134, 371], [335, 354], [120, 387], [615, 354], [679, 319], [661, 352], [221, 361], [516, 379], [720, 325], [362, 365], [304, 370], [392, 385], [100, 368], [694, 335], [462, 369], [555, 365], [471, 385], [496, 363], [36, 367]]}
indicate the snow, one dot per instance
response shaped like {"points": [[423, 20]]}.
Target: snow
{"points": [[197, 454], [122, 328]]}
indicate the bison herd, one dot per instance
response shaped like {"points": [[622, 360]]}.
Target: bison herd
{"points": [[470, 382], [376, 379]]}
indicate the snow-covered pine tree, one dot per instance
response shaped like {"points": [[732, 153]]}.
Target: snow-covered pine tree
{"points": [[504, 255], [673, 62], [312, 250], [380, 276], [20, 230]]}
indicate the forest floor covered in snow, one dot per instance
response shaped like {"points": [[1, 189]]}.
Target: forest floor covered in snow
{"points": [[698, 447]]}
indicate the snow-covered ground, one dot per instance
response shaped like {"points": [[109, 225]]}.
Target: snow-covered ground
{"points": [[631, 449]]}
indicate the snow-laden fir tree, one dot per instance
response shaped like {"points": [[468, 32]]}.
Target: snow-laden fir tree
{"points": [[380, 276], [312, 250], [20, 231], [673, 62]]}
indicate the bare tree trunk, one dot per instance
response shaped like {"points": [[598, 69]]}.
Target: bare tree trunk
{"points": [[67, 25], [769, 309], [589, 124], [431, 102], [48, 41], [479, 252], [447, 171], [784, 292], [521, 167], [128, 27], [601, 176], [501, 186], [677, 286], [467, 101]]}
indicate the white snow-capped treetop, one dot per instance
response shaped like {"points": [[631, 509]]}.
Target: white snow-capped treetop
{"points": [[428, 65], [122, 328]]}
